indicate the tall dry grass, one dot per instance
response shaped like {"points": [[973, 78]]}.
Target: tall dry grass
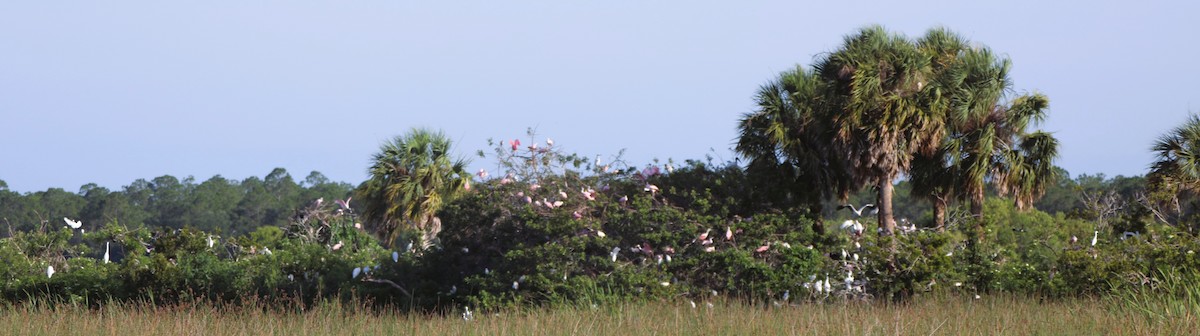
{"points": [[995, 315]]}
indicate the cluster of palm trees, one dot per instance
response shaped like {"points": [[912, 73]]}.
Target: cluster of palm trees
{"points": [[938, 109]]}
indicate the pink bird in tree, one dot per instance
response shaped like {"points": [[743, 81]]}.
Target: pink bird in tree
{"points": [[516, 143], [728, 233], [344, 204], [483, 174], [763, 248], [577, 215], [704, 236]]}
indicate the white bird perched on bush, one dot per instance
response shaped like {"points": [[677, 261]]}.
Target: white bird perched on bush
{"points": [[50, 271], [613, 254], [354, 274], [105, 252], [1094, 236], [73, 224], [395, 256]]}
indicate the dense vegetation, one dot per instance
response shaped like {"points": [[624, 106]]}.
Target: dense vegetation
{"points": [[969, 203]]}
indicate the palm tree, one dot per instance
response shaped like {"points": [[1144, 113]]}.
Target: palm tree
{"points": [[875, 83], [412, 176], [984, 140], [1175, 175], [787, 143]]}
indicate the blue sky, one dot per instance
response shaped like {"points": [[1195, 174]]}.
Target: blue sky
{"points": [[115, 91]]}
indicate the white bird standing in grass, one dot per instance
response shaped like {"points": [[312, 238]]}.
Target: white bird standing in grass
{"points": [[1094, 236], [50, 271], [105, 252]]}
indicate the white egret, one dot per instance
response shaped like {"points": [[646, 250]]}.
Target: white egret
{"points": [[211, 242], [105, 252], [467, 316], [267, 251], [73, 224], [1094, 236], [395, 256], [858, 211], [549, 142], [516, 285], [453, 289], [786, 294], [600, 233], [665, 283], [354, 274], [50, 271], [613, 254], [483, 174]]}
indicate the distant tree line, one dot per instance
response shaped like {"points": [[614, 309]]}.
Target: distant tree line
{"points": [[218, 204]]}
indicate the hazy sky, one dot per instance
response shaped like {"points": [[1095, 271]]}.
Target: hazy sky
{"points": [[109, 92]]}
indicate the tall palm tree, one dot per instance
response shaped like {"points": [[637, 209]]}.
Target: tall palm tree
{"points": [[876, 80], [412, 176], [787, 143]]}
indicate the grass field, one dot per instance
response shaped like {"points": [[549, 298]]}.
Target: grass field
{"points": [[941, 316]]}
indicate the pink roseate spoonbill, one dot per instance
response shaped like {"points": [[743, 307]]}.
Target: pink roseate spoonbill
{"points": [[507, 179], [358, 225], [728, 233], [623, 199], [710, 249], [1074, 240], [73, 224], [482, 173], [515, 144], [344, 204], [337, 246], [704, 236], [466, 184], [576, 215], [528, 200], [589, 194], [858, 211], [763, 248], [653, 189], [534, 187], [533, 147], [562, 194]]}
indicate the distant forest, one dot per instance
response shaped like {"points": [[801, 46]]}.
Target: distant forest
{"points": [[217, 205]]}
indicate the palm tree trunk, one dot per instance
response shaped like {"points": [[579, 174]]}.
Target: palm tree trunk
{"points": [[939, 214], [886, 220], [977, 213]]}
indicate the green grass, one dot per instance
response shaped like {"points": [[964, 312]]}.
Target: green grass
{"points": [[995, 315]]}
